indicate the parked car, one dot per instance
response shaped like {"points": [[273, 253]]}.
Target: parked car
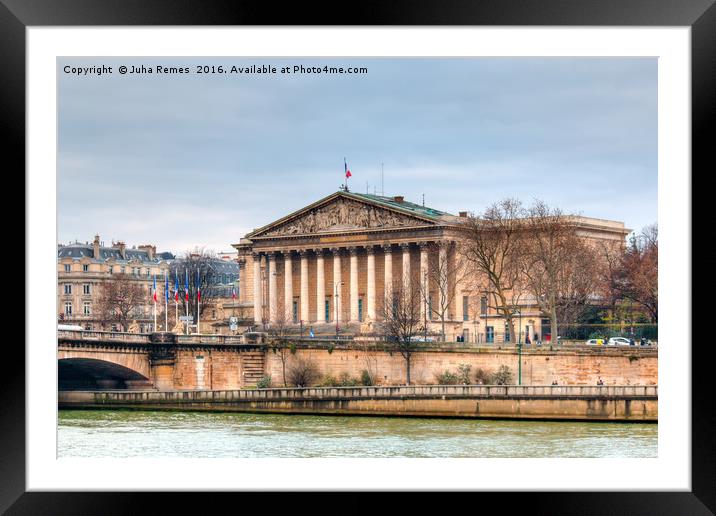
{"points": [[619, 341], [595, 342]]}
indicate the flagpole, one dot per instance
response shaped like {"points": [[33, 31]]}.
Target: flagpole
{"points": [[166, 302], [186, 299], [198, 300], [155, 302]]}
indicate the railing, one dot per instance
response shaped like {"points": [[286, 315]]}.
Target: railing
{"points": [[103, 335], [144, 338], [397, 392]]}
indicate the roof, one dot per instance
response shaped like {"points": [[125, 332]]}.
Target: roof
{"points": [[78, 251], [390, 202]]}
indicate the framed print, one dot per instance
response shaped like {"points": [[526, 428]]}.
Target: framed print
{"points": [[418, 252]]}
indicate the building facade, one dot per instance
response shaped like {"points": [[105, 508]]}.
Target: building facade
{"points": [[82, 269], [335, 262]]}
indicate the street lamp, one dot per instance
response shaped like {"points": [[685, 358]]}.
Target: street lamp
{"points": [[519, 346], [335, 302]]}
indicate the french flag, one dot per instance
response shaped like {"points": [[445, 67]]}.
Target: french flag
{"points": [[233, 293], [155, 288], [186, 285], [176, 287], [198, 289], [345, 166]]}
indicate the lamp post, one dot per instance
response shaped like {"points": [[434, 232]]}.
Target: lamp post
{"points": [[335, 302], [519, 346]]}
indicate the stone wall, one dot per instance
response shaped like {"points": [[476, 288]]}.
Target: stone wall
{"points": [[616, 367], [558, 403]]}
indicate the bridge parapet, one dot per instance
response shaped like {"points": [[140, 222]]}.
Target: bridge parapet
{"points": [[149, 338], [103, 336]]}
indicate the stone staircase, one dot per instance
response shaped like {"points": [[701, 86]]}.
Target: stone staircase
{"points": [[252, 367]]}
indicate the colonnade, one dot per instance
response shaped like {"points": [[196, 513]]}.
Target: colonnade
{"points": [[364, 307]]}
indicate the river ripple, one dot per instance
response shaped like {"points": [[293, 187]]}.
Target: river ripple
{"points": [[110, 433]]}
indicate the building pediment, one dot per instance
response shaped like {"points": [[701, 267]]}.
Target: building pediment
{"points": [[340, 213]]}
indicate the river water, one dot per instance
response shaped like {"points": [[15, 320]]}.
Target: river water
{"points": [[116, 433]]}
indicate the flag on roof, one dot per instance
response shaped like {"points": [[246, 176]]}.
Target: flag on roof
{"points": [[345, 166]]}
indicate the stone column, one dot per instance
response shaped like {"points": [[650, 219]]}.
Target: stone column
{"points": [[388, 276], [257, 287], [406, 267], [457, 287], [288, 286], [336, 284], [370, 290], [424, 279], [304, 285], [320, 286], [354, 283], [273, 292]]}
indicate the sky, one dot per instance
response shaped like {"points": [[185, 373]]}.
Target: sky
{"points": [[199, 160]]}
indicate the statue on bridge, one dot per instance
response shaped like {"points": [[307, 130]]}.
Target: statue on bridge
{"points": [[133, 327], [178, 328]]}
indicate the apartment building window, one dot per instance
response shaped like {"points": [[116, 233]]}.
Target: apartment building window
{"points": [[86, 308], [68, 267], [122, 269], [213, 314], [360, 310], [68, 289], [68, 308], [483, 305], [465, 309], [430, 307], [490, 334], [85, 268], [86, 289], [111, 269], [507, 331], [327, 310], [147, 273], [295, 312]]}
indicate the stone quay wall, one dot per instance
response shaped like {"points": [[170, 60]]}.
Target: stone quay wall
{"points": [[617, 366], [614, 403]]}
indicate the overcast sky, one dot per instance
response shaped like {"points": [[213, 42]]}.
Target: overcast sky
{"points": [[200, 160]]}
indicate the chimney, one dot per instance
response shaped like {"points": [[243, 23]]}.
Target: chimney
{"points": [[122, 250], [150, 249], [463, 214], [399, 198], [95, 247]]}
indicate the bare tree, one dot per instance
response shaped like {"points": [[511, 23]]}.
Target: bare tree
{"points": [[120, 299], [556, 263], [195, 272], [278, 331], [491, 245], [444, 275], [403, 321], [640, 270]]}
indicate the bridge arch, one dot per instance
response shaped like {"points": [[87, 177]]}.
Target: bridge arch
{"points": [[82, 373]]}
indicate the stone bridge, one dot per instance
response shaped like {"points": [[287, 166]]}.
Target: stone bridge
{"points": [[89, 360]]}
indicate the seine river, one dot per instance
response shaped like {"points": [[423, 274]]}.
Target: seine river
{"points": [[108, 433]]}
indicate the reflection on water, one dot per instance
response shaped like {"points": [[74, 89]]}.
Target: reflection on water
{"points": [[201, 434]]}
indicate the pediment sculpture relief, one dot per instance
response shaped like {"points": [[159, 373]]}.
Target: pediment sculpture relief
{"points": [[344, 214]]}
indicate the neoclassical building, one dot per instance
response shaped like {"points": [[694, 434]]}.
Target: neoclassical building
{"points": [[334, 262]]}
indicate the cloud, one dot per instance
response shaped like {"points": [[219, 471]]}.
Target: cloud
{"points": [[204, 159]]}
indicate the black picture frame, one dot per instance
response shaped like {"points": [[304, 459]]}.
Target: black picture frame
{"points": [[700, 15]]}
